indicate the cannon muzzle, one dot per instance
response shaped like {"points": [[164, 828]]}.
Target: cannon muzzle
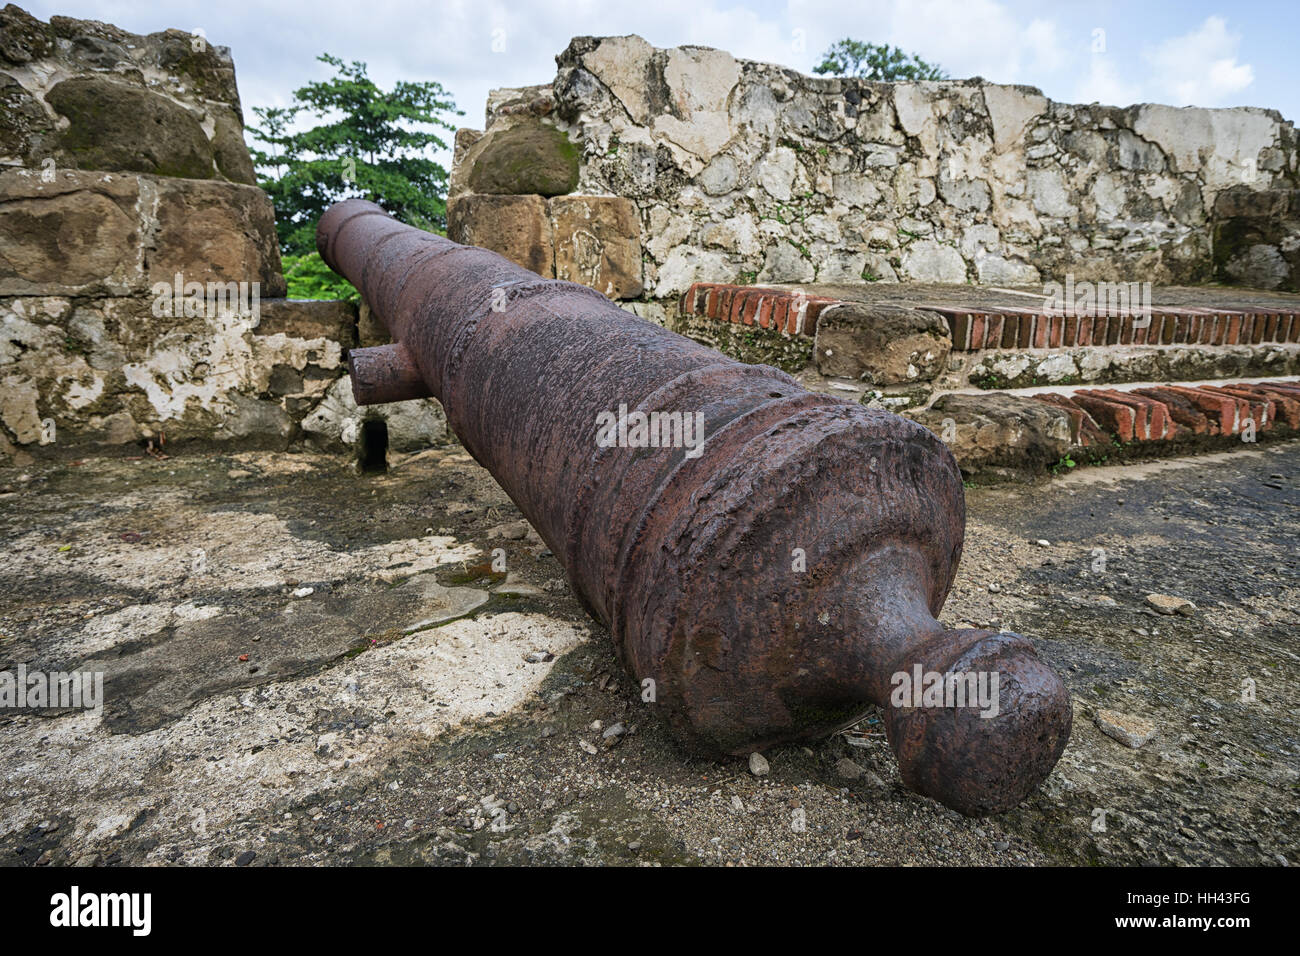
{"points": [[769, 561]]}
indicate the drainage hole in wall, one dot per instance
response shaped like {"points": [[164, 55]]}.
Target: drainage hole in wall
{"points": [[373, 457]]}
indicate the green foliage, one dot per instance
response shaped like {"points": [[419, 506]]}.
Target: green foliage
{"points": [[873, 61], [310, 278], [367, 143]]}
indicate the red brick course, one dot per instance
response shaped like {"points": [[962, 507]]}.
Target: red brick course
{"points": [[1114, 417], [1168, 412], [1083, 430], [976, 328], [782, 310], [1286, 403], [1151, 420], [1167, 325], [1181, 410]]}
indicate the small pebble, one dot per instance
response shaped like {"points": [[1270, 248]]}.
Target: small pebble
{"points": [[847, 769], [1168, 604], [1129, 730]]}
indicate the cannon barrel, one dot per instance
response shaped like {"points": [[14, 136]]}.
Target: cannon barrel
{"points": [[767, 584]]}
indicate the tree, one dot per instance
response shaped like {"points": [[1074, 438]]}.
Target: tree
{"points": [[275, 125], [366, 143], [872, 61]]}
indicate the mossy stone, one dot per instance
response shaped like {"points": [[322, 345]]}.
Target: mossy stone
{"points": [[114, 126], [527, 159]]}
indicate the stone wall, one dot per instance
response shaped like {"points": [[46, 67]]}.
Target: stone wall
{"points": [[141, 292], [78, 94], [513, 191], [749, 172]]}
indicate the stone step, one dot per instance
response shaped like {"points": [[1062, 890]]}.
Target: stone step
{"points": [[986, 328], [1010, 324], [952, 337], [1027, 432], [1166, 412]]}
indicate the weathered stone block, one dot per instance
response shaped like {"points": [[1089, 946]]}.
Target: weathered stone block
{"points": [[80, 234], [1257, 237], [24, 126], [881, 344], [931, 261], [61, 367], [116, 126], [18, 409], [1001, 434], [103, 368], [517, 227], [211, 231], [337, 421], [309, 319], [230, 151], [23, 38], [789, 353], [528, 158], [92, 233], [370, 330], [205, 72], [247, 417], [598, 243]]}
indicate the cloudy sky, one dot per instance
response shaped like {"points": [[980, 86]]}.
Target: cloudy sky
{"points": [[1183, 53]]}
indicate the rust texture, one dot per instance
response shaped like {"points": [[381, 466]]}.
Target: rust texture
{"points": [[385, 373], [773, 584]]}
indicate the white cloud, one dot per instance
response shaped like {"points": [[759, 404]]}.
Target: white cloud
{"points": [[966, 37], [1103, 84], [1200, 68], [1043, 46]]}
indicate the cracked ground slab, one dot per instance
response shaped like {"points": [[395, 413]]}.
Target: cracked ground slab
{"points": [[302, 664]]}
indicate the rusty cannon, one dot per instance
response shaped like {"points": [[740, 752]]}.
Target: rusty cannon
{"points": [[768, 578]]}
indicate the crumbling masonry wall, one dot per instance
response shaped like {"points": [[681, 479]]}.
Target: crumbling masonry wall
{"points": [[141, 294], [744, 172]]}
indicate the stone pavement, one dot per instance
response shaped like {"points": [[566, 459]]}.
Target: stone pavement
{"points": [[306, 665]]}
